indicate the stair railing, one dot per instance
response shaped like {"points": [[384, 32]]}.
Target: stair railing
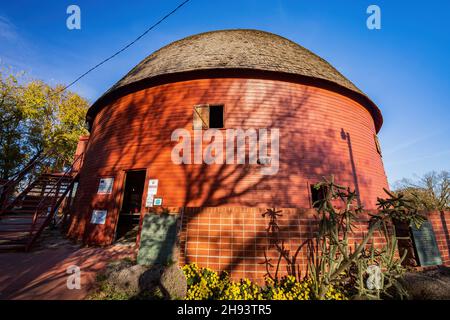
{"points": [[9, 188], [43, 207], [66, 207]]}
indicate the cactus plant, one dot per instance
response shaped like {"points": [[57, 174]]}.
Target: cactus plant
{"points": [[333, 261]]}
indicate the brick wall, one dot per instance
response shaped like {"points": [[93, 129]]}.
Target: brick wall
{"points": [[441, 226], [236, 239]]}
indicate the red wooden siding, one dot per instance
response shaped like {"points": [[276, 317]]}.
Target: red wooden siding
{"points": [[134, 132]]}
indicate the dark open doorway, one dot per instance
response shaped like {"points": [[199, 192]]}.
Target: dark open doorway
{"points": [[130, 213]]}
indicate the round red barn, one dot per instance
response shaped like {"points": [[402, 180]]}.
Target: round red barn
{"points": [[245, 79]]}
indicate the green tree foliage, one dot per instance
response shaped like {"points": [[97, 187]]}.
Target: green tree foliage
{"points": [[37, 117], [429, 192]]}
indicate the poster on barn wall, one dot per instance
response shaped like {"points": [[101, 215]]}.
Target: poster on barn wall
{"points": [[152, 190], [99, 216], [105, 185], [157, 202]]}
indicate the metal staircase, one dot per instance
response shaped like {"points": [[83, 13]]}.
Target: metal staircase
{"points": [[24, 215]]}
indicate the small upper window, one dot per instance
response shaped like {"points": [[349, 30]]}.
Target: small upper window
{"points": [[216, 117], [208, 116]]}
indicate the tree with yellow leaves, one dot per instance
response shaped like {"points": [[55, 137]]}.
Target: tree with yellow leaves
{"points": [[36, 117]]}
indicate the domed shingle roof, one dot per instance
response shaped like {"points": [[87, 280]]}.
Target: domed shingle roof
{"points": [[237, 49]]}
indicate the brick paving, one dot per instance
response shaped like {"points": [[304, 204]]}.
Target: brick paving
{"points": [[42, 274]]}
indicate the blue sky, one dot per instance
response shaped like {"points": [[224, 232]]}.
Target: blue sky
{"points": [[404, 67]]}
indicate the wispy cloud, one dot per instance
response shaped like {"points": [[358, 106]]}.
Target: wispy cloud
{"points": [[8, 30], [281, 10], [420, 158], [414, 141], [16, 51]]}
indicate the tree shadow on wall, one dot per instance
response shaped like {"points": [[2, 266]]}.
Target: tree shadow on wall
{"points": [[304, 153]]}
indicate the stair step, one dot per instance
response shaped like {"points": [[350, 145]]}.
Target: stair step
{"points": [[12, 233], [16, 227], [16, 246], [52, 181], [38, 193], [49, 183], [14, 236], [18, 211], [10, 230], [51, 186], [54, 175], [21, 225], [29, 210], [29, 216], [16, 241], [47, 188], [30, 202], [13, 223], [26, 207], [16, 224], [22, 242], [24, 213]]}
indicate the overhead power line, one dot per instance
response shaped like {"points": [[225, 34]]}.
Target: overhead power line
{"points": [[127, 46]]}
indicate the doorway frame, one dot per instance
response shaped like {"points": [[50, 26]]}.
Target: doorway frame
{"points": [[123, 174]]}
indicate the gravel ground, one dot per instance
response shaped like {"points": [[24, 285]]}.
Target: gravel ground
{"points": [[429, 285]]}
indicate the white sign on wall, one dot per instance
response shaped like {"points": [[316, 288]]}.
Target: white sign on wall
{"points": [[99, 216], [153, 183], [105, 185], [157, 202], [152, 190]]}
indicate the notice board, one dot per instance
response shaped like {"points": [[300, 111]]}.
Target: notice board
{"points": [[425, 244], [158, 238]]}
